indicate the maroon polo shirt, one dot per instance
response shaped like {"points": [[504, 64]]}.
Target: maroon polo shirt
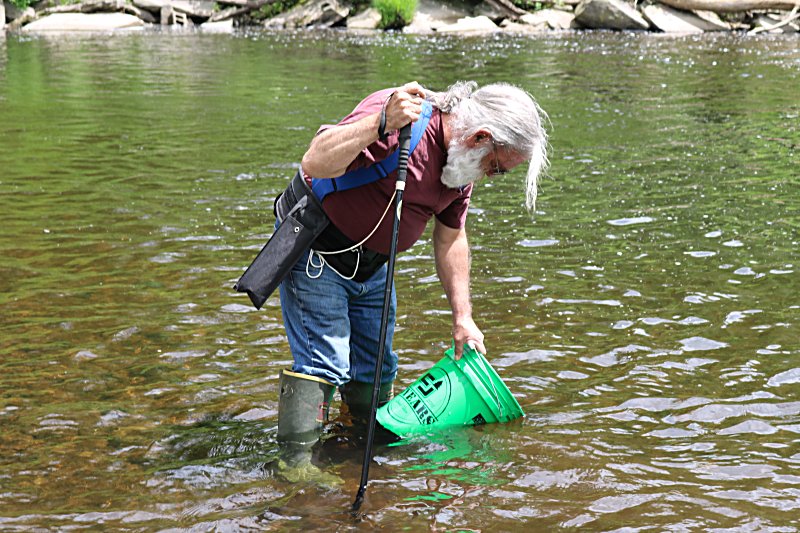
{"points": [[356, 211]]}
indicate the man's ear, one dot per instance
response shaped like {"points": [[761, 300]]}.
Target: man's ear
{"points": [[478, 138]]}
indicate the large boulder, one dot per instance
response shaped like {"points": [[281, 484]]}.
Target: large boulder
{"points": [[609, 15], [671, 20], [84, 22], [317, 13]]}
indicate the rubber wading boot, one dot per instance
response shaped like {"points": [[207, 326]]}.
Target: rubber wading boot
{"points": [[358, 397], [302, 412]]}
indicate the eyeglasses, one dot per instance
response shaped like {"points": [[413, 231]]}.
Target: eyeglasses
{"points": [[498, 170]]}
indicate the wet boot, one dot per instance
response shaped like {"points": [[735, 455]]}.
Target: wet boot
{"points": [[302, 413], [358, 397]]}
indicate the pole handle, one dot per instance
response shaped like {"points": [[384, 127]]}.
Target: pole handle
{"points": [[405, 148]]}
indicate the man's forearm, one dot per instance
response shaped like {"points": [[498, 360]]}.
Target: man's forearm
{"points": [[452, 267], [332, 151]]}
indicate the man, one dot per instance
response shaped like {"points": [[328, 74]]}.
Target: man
{"points": [[332, 300]]}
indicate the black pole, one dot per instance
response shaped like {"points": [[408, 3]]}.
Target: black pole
{"points": [[402, 167]]}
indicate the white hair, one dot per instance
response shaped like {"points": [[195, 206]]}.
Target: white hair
{"points": [[510, 114]]}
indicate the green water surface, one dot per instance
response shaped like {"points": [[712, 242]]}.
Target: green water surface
{"points": [[646, 318]]}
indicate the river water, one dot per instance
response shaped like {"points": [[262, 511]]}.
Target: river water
{"points": [[646, 318]]}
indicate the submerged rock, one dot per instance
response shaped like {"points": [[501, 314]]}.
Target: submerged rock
{"points": [[610, 15], [85, 355]]}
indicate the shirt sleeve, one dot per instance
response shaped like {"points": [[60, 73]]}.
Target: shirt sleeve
{"points": [[455, 215], [379, 150]]}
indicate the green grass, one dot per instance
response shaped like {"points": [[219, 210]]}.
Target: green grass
{"points": [[395, 13]]}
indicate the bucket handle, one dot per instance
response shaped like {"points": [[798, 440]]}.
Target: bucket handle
{"points": [[483, 363]]}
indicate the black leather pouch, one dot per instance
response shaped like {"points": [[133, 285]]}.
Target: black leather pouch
{"points": [[299, 227]]}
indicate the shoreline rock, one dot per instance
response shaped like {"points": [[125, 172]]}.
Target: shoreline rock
{"points": [[453, 17], [609, 15], [69, 22], [671, 20]]}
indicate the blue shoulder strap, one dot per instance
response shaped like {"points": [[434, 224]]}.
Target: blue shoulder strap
{"points": [[376, 171]]}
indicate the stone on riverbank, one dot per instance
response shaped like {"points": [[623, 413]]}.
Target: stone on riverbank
{"points": [[449, 16], [671, 20], [431, 16], [516, 27], [11, 12], [27, 15], [498, 10], [480, 24], [609, 15], [201, 9], [84, 22], [712, 21], [554, 19], [314, 14], [369, 19], [772, 24], [224, 26]]}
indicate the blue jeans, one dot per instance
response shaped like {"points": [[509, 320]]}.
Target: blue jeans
{"points": [[333, 324]]}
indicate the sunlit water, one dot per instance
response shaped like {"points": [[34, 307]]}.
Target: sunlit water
{"points": [[646, 318]]}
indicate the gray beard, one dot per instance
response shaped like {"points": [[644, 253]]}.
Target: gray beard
{"points": [[463, 165]]}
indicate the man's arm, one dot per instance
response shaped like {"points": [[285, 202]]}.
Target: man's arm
{"points": [[451, 250], [332, 151]]}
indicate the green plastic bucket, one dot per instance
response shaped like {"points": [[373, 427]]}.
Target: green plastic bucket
{"points": [[466, 392]]}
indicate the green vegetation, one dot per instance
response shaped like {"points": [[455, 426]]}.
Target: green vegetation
{"points": [[22, 4], [528, 5], [395, 13]]}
